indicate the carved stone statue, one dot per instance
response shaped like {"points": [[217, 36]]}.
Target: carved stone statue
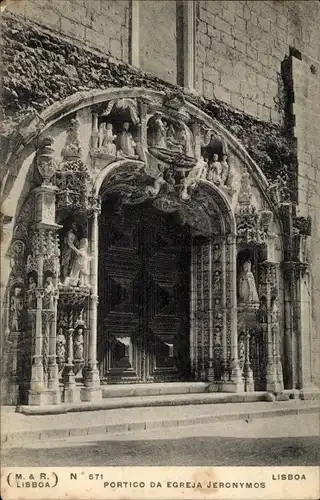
{"points": [[247, 287], [191, 181], [230, 178], [215, 171], [16, 307], [224, 169], [173, 142], [31, 298], [159, 181], [245, 194], [80, 269], [69, 243], [78, 344], [49, 292], [72, 148], [241, 351], [158, 132], [274, 312], [171, 183], [107, 138], [126, 143], [185, 140], [61, 348]]}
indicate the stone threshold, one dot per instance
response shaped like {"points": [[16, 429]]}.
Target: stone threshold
{"points": [[133, 423]]}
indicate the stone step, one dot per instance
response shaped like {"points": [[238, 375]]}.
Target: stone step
{"points": [[157, 389], [147, 401], [46, 428]]}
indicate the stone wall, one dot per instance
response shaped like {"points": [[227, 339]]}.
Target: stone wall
{"points": [[158, 44], [98, 23], [240, 47], [306, 112]]}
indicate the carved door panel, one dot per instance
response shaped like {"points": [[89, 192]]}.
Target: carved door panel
{"points": [[166, 277], [120, 269], [143, 297]]}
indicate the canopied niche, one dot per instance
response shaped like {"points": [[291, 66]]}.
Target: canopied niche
{"points": [[141, 147]]}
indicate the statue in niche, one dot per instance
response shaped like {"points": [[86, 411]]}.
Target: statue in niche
{"points": [[78, 343], [185, 140], [49, 292], [230, 178], [245, 193], [158, 132], [172, 140], [69, 242], [216, 252], [126, 143], [247, 287], [80, 269], [224, 169], [107, 138], [31, 298], [263, 312], [16, 306], [61, 348], [215, 171], [154, 189]]}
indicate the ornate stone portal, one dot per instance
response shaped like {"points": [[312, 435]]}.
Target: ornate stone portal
{"points": [[143, 150]]}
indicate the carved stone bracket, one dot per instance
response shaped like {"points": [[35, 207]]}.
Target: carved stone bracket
{"points": [[75, 296]]}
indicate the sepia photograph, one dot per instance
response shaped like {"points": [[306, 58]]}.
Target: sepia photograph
{"points": [[160, 249]]}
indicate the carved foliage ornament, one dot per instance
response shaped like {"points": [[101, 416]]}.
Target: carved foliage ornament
{"points": [[252, 226]]}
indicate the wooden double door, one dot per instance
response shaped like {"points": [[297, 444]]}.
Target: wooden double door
{"points": [[144, 294]]}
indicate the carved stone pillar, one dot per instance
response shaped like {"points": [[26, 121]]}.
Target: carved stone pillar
{"points": [[231, 375], [43, 261], [92, 389], [297, 326], [269, 296], [232, 334]]}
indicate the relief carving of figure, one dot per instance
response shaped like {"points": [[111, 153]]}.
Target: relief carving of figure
{"points": [[126, 143], [61, 348], [107, 138], [247, 287], [16, 307], [215, 171], [78, 344], [80, 268]]}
